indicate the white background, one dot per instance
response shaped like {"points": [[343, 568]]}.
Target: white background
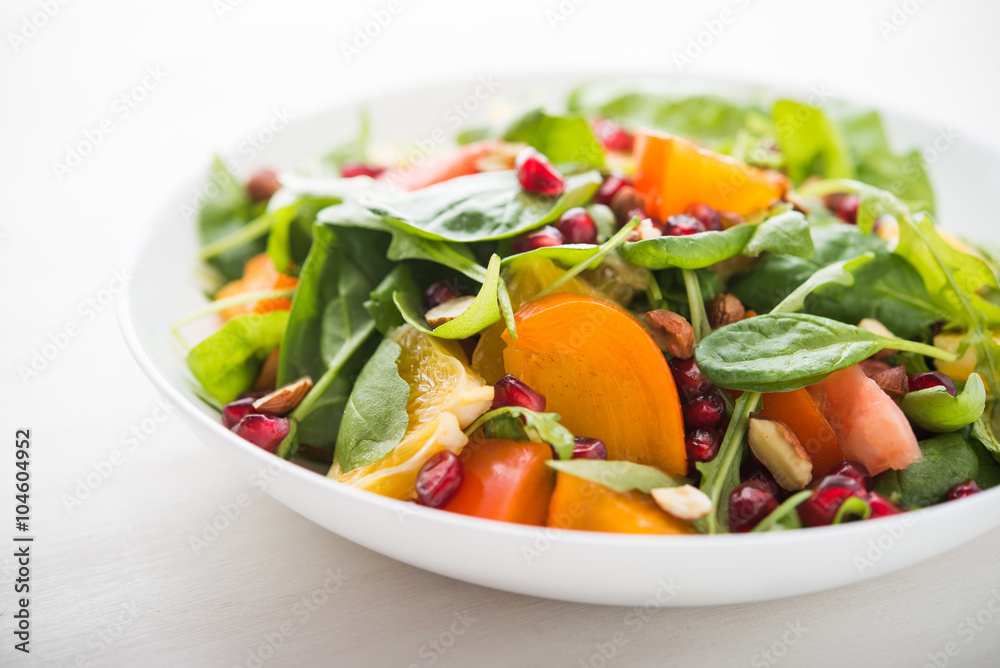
{"points": [[116, 581]]}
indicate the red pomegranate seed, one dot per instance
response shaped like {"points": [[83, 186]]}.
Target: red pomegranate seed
{"points": [[691, 383], [757, 471], [706, 215], [928, 379], [441, 292], [262, 184], [706, 411], [509, 391], [349, 171], [681, 226], [611, 185], [264, 431], [749, 503], [703, 444], [439, 479], [820, 508], [577, 227], [547, 236], [589, 448], [882, 507], [235, 411], [855, 470], [536, 173], [967, 488], [612, 135], [844, 206]]}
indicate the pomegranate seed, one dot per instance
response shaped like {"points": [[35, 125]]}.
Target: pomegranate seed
{"points": [[264, 431], [967, 488], [536, 173], [349, 171], [881, 506], [706, 215], [820, 508], [441, 292], [547, 236], [928, 379], [509, 391], [690, 381], [612, 135], [589, 448], [706, 411], [757, 471], [844, 206], [681, 226], [703, 444], [577, 227], [855, 470], [262, 184], [749, 503], [611, 185], [439, 479], [235, 411]]}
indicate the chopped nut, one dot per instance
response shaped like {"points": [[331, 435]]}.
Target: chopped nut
{"points": [[685, 502], [268, 376], [671, 332], [646, 229], [625, 201], [500, 159], [894, 381], [873, 367], [284, 399], [448, 311], [779, 450], [876, 327], [725, 309]]}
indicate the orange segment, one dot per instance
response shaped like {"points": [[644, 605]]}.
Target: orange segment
{"points": [[599, 369], [799, 411], [259, 275]]}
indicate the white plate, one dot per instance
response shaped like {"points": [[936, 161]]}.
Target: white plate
{"points": [[568, 565]]}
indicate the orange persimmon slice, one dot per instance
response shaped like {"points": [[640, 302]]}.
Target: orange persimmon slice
{"points": [[799, 411]]}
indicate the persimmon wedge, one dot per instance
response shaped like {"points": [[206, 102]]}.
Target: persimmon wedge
{"points": [[672, 173], [799, 411], [602, 373]]}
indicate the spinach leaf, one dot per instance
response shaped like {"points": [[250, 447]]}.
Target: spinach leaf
{"points": [[812, 145], [786, 233], [290, 237], [621, 476], [375, 417], [785, 517], [561, 138], [935, 410], [839, 273], [480, 207], [948, 460], [983, 433], [380, 304], [537, 427], [226, 209], [779, 352], [227, 362]]}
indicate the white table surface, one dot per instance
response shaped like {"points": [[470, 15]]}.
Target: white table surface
{"points": [[115, 579]]}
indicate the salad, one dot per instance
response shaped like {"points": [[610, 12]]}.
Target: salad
{"points": [[639, 314]]}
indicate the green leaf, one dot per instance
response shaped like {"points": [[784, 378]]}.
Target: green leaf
{"points": [[852, 509], [621, 476], [480, 207], [983, 433], [594, 260], [786, 233], [354, 150], [538, 427], [380, 304], [291, 232], [780, 352], [935, 410], [812, 145], [785, 517], [227, 362], [226, 209], [839, 273], [375, 417], [720, 476], [563, 139], [948, 460]]}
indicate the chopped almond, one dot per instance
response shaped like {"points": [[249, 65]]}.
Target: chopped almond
{"points": [[779, 450], [685, 502]]}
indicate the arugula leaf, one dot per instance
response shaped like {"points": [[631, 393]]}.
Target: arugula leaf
{"points": [[839, 273], [561, 138], [592, 261], [948, 460], [786, 233], [935, 410], [375, 417], [537, 427], [780, 352], [621, 476], [227, 362], [852, 509], [480, 207], [785, 517], [812, 145], [720, 476], [226, 209]]}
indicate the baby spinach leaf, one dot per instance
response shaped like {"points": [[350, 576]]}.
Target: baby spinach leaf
{"points": [[948, 460], [480, 207], [786, 233], [380, 304], [290, 237], [621, 476], [561, 138], [935, 410], [983, 433], [785, 517], [539, 427], [839, 273], [227, 362], [812, 145], [226, 209], [375, 417]]}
